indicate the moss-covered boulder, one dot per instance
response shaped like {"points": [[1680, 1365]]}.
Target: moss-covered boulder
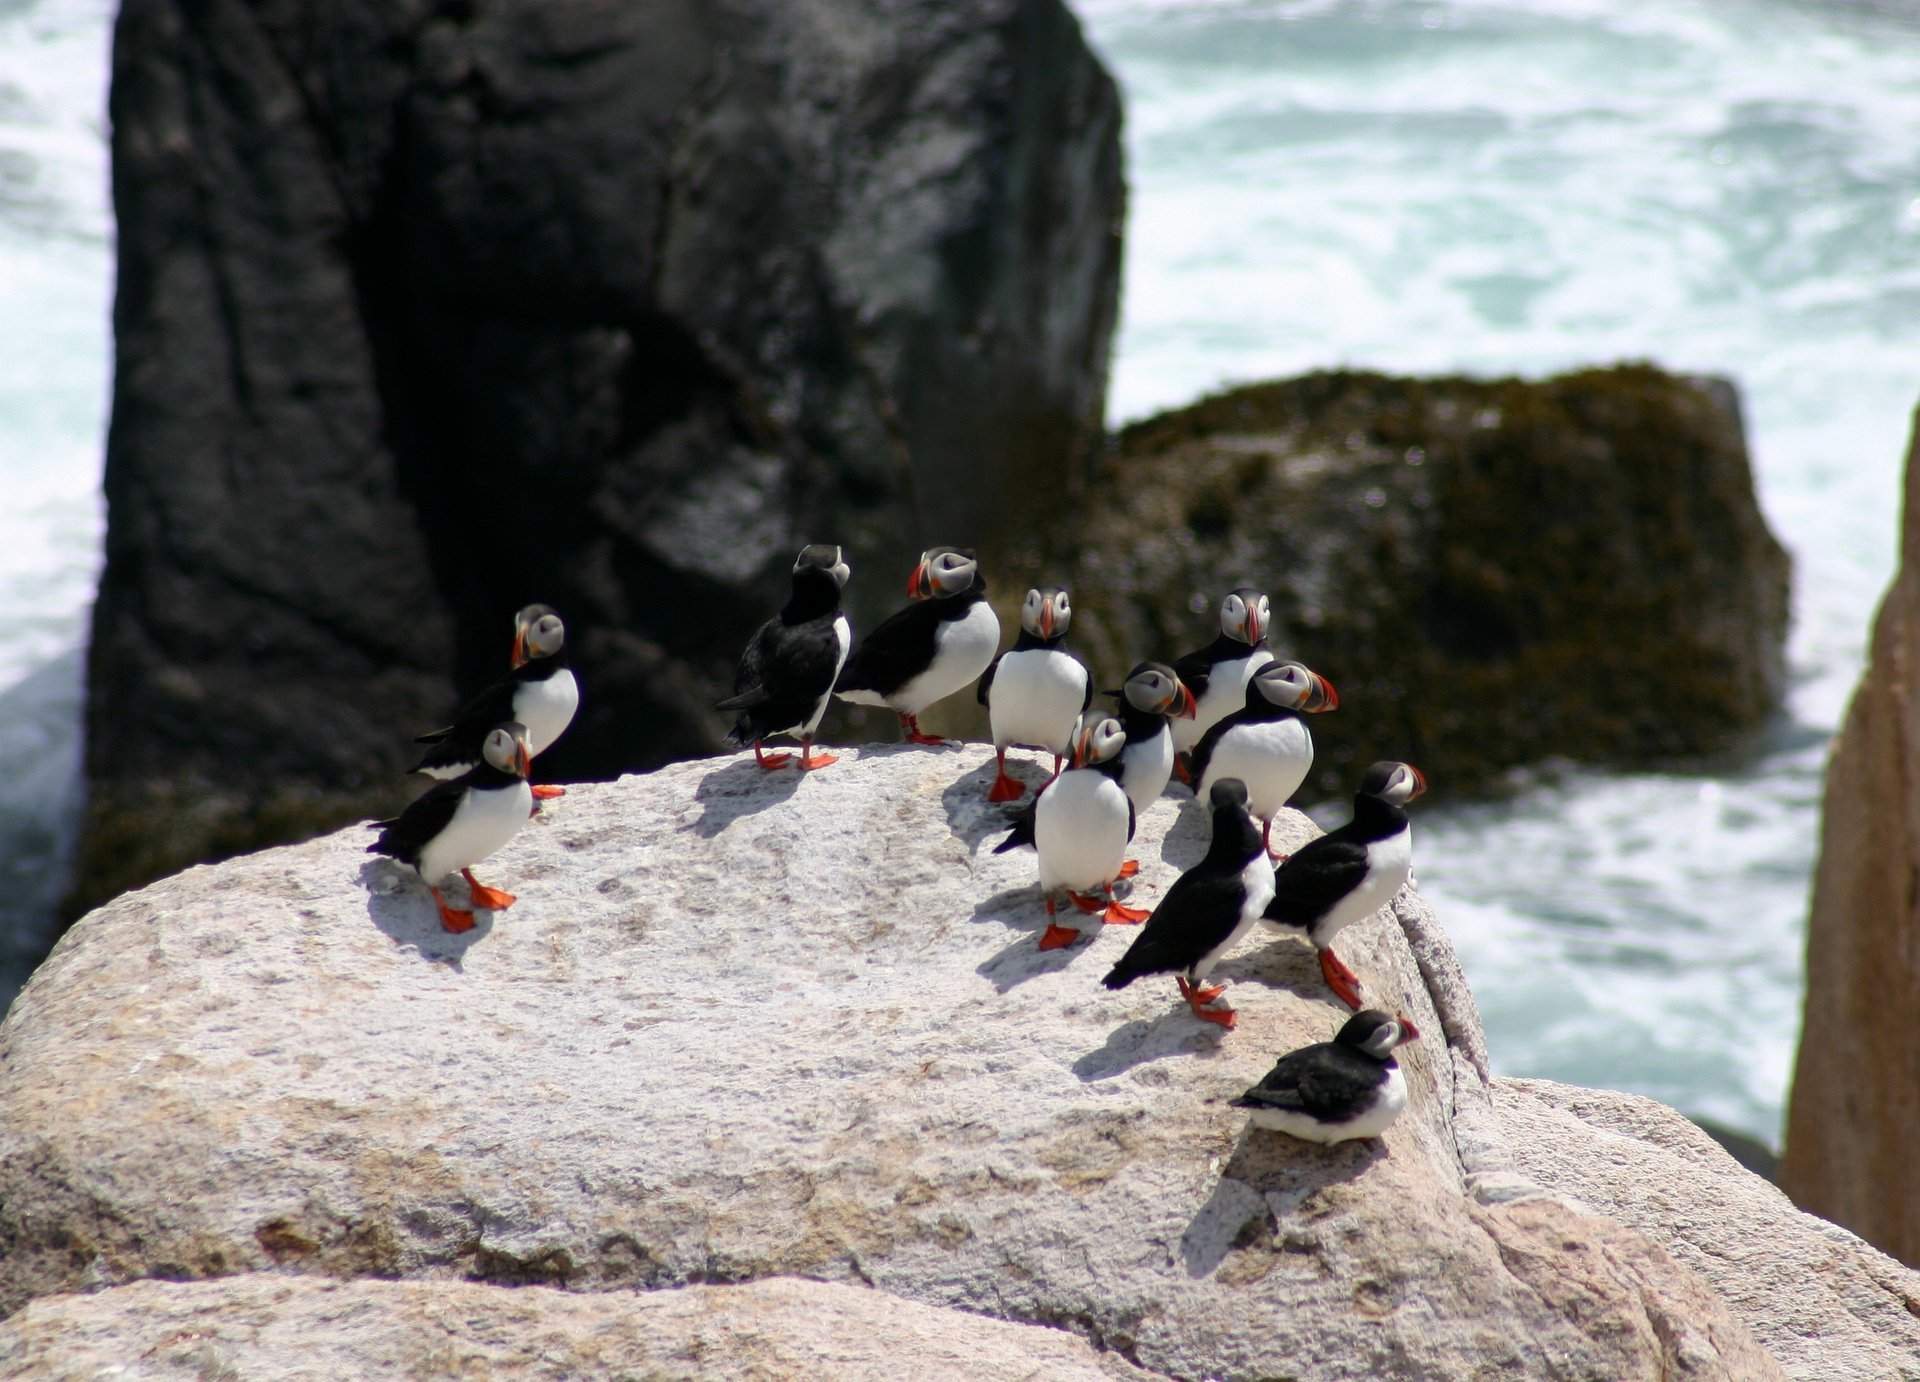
{"points": [[1493, 572]]}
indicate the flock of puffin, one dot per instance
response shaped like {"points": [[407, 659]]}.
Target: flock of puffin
{"points": [[1228, 717]]}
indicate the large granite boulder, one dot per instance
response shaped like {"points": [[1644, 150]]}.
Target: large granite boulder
{"points": [[429, 310], [743, 1026], [1853, 1120], [1579, 561]]}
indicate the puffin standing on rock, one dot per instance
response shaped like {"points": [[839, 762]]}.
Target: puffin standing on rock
{"points": [[1082, 822], [1266, 743], [540, 693], [1035, 692], [459, 823], [928, 650], [1207, 910], [1349, 874], [1334, 1091], [1152, 695], [788, 667], [1218, 673]]}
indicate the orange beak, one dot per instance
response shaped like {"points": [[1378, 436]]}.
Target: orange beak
{"points": [[522, 760], [1408, 1032], [1419, 782], [519, 645], [920, 583], [1081, 741], [1253, 626], [1324, 697], [1189, 708], [1046, 620]]}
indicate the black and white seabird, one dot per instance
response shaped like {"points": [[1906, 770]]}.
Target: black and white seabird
{"points": [[1152, 695], [457, 824], [539, 693], [1207, 910], [1218, 673], [930, 649], [1334, 1091], [1266, 743], [1036, 690], [1082, 822], [787, 670], [1350, 873]]}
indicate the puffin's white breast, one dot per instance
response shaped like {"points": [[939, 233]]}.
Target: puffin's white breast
{"points": [[1256, 881], [1389, 865], [1035, 699], [1272, 757], [546, 708], [1080, 831], [1376, 1119], [1148, 767], [962, 648], [1226, 693], [481, 825]]}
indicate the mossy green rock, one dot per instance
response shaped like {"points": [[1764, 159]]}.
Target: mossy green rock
{"points": [[1492, 572]]}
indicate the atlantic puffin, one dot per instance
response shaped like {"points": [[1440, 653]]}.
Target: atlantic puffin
{"points": [[1350, 873], [457, 824], [1151, 696], [1082, 822], [1266, 743], [1334, 1091], [539, 692], [1218, 673], [1207, 910], [1036, 690], [930, 649], [787, 669]]}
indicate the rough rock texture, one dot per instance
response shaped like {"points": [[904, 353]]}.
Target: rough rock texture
{"points": [[303, 1327], [1853, 1120], [743, 1026], [1580, 561], [429, 310]]}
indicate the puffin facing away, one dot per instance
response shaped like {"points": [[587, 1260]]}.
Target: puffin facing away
{"points": [[928, 650], [1266, 743], [1333, 1091], [1082, 822], [1152, 695], [1207, 910], [459, 823], [540, 693], [1349, 874], [1034, 692], [787, 669], [1218, 673]]}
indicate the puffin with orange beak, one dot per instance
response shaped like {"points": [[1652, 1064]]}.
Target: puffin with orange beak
{"points": [[930, 649], [1034, 692], [787, 669], [459, 823], [1082, 823], [1266, 743], [1147, 702], [539, 693], [1218, 673], [1349, 874]]}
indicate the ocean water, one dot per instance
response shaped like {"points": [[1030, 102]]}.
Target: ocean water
{"points": [[1730, 187]]}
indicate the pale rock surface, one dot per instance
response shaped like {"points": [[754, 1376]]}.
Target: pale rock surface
{"points": [[743, 1026], [269, 1326]]}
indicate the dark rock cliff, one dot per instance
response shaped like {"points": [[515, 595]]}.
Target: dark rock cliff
{"points": [[428, 310]]}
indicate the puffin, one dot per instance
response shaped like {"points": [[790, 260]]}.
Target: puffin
{"points": [[788, 667], [539, 693], [1036, 690], [1218, 673], [1350, 873], [930, 649], [1151, 696], [1266, 743], [1207, 910], [457, 824], [1082, 822], [1335, 1091]]}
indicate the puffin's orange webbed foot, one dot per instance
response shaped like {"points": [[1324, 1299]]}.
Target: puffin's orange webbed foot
{"points": [[547, 791], [1130, 868], [452, 918], [1340, 979], [1005, 789], [1119, 914], [492, 899], [1057, 937]]}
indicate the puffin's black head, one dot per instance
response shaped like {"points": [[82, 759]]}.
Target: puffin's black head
{"points": [[1291, 685], [1156, 688], [506, 748], [1096, 738], [823, 556], [1244, 615], [1376, 1033], [1229, 793], [1395, 783], [537, 632], [1046, 612], [943, 571]]}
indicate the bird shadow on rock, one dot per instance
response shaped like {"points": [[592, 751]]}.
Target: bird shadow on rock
{"points": [[401, 906], [1281, 963], [1176, 1032], [1266, 1180], [1021, 959], [971, 817], [741, 788], [1187, 838]]}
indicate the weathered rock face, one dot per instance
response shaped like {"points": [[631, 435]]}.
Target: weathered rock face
{"points": [[426, 311], [1579, 561], [1853, 1120], [743, 1026]]}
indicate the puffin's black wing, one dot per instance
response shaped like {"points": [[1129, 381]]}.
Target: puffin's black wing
{"points": [[986, 679], [458, 745], [783, 673], [1022, 832], [413, 829], [896, 652], [1086, 696], [1202, 753], [1326, 1079], [1199, 911], [1322, 872], [1196, 670]]}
